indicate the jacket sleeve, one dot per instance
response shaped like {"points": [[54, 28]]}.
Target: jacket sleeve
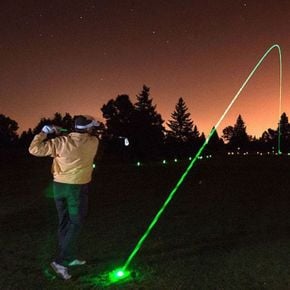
{"points": [[42, 147]]}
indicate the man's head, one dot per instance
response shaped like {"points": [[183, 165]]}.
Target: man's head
{"points": [[84, 124]]}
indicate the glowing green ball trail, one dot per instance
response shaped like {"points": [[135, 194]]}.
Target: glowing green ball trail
{"points": [[122, 272]]}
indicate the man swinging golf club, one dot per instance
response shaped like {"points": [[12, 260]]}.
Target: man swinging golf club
{"points": [[72, 167]]}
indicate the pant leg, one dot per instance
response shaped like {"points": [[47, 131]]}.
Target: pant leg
{"points": [[63, 218], [84, 201], [77, 208], [74, 210], [74, 202], [59, 190]]}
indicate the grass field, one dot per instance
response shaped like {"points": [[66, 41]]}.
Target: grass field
{"points": [[228, 227]]}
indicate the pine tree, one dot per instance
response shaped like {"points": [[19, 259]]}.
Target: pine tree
{"points": [[183, 139], [181, 125], [215, 143], [284, 124], [146, 111], [269, 138], [285, 133], [195, 134], [237, 135], [148, 128]]}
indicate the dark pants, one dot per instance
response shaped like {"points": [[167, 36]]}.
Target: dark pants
{"points": [[71, 203]]}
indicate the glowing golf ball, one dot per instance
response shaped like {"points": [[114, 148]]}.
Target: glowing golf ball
{"points": [[120, 273]]}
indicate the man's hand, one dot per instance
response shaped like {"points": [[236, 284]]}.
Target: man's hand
{"points": [[48, 129]]}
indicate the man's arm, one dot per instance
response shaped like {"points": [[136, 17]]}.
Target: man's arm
{"points": [[42, 147]]}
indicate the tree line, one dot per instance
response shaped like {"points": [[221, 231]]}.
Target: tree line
{"points": [[149, 138]]}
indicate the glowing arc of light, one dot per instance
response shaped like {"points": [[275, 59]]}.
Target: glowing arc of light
{"points": [[182, 178]]}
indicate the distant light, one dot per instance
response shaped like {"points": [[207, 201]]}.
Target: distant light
{"points": [[94, 165], [175, 160], [164, 161], [126, 142], [189, 158], [138, 163]]}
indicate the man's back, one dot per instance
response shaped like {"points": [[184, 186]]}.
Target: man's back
{"points": [[73, 156]]}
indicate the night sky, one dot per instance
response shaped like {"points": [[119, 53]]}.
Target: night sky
{"points": [[73, 56]]}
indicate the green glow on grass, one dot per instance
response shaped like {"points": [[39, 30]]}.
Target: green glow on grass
{"points": [[182, 178], [118, 275]]}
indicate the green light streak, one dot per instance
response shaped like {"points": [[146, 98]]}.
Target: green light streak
{"points": [[182, 178], [280, 98]]}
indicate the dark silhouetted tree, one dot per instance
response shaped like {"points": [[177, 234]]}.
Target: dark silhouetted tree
{"points": [[26, 138], [269, 138], [184, 138], [228, 133], [202, 138], [181, 124], [215, 143], [285, 133], [195, 134], [237, 135], [8, 131], [148, 127], [118, 114]]}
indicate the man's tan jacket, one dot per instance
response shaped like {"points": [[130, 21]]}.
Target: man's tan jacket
{"points": [[73, 155]]}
